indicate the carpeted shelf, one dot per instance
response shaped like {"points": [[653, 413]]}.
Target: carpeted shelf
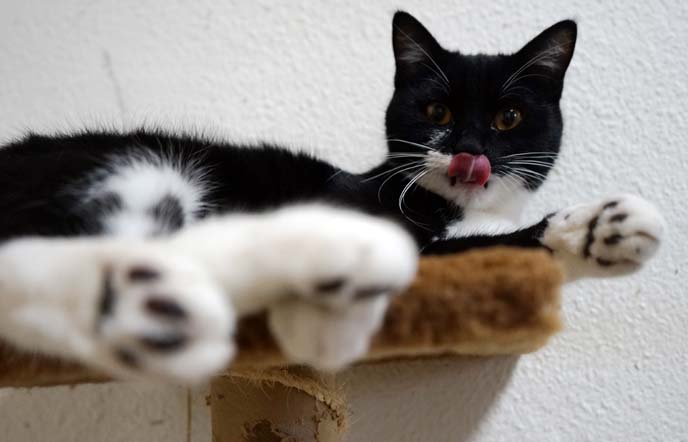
{"points": [[483, 302]]}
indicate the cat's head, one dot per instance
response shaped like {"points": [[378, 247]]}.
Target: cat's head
{"points": [[483, 130]]}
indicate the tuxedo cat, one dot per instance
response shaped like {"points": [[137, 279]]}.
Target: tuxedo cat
{"points": [[135, 252]]}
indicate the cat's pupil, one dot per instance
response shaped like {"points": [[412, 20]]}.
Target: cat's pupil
{"points": [[438, 113], [509, 117]]}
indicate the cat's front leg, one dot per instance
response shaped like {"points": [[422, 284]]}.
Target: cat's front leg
{"points": [[323, 274], [131, 309], [346, 269]]}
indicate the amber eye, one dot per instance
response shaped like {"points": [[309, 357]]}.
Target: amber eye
{"points": [[507, 119], [438, 113]]}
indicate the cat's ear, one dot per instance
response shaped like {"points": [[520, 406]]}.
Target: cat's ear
{"points": [[552, 50], [414, 47]]}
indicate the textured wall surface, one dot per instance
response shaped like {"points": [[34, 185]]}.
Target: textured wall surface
{"points": [[318, 75]]}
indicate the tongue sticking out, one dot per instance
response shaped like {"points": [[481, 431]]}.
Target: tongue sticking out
{"points": [[469, 169]]}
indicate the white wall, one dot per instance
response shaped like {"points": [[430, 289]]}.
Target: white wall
{"points": [[318, 75]]}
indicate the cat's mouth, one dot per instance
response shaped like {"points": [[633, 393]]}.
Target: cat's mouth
{"points": [[469, 169]]}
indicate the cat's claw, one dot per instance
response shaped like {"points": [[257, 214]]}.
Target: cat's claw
{"points": [[162, 319], [612, 237]]}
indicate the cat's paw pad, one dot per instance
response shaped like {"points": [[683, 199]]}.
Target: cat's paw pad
{"points": [[162, 319], [338, 257], [612, 237], [325, 338]]}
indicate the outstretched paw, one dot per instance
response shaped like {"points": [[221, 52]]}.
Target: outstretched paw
{"points": [[162, 318], [340, 276], [324, 338], [612, 237]]}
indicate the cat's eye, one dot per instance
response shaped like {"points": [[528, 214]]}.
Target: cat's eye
{"points": [[438, 113], [507, 118]]}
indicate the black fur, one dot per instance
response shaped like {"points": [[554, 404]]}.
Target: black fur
{"points": [[107, 298], [143, 274], [169, 213], [39, 174]]}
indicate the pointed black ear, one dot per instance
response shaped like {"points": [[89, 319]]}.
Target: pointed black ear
{"points": [[414, 47], [551, 51]]}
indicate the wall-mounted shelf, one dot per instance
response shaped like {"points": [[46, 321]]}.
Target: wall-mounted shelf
{"points": [[483, 302]]}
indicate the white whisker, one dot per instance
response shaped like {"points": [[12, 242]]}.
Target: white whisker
{"points": [[434, 71], [515, 88], [413, 163], [406, 155], [531, 154], [442, 85], [408, 186], [398, 140], [522, 173], [334, 175], [528, 167], [379, 190], [530, 75], [511, 183], [539, 56], [527, 172], [531, 163]]}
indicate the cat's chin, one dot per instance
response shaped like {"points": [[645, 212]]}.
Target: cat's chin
{"points": [[499, 195]]}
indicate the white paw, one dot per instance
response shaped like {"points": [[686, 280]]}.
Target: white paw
{"points": [[161, 318], [325, 338], [612, 237], [339, 267], [335, 256]]}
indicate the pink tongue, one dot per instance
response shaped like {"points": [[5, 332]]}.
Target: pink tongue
{"points": [[470, 169]]}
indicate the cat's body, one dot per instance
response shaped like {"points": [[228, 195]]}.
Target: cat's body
{"points": [[68, 185], [209, 230]]}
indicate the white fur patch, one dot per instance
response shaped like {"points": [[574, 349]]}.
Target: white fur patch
{"points": [[48, 322], [496, 209], [437, 137], [142, 181]]}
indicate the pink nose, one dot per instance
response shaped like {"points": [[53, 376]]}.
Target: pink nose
{"points": [[470, 169]]}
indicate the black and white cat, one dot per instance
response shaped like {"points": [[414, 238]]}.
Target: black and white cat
{"points": [[136, 252]]}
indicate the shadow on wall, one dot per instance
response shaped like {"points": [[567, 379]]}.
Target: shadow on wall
{"points": [[407, 401]]}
